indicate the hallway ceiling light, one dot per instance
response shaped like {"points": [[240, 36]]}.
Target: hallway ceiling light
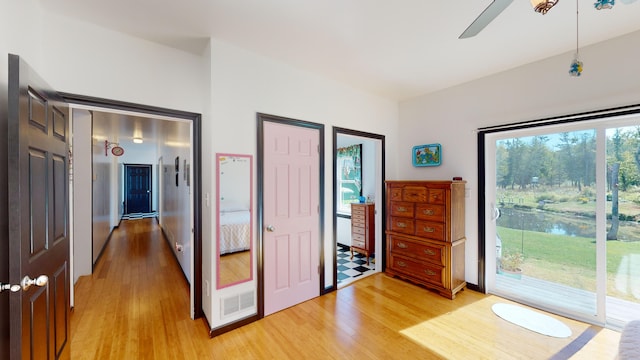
{"points": [[137, 140]]}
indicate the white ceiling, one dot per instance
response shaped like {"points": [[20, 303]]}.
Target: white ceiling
{"points": [[395, 48]]}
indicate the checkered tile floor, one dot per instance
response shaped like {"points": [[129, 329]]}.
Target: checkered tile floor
{"points": [[349, 270], [139, 216]]}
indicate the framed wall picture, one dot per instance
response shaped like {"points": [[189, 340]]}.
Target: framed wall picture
{"points": [[427, 155]]}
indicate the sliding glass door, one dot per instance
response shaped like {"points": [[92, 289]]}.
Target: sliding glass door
{"points": [[564, 205], [623, 223]]}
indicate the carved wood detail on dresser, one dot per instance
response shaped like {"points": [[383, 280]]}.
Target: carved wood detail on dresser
{"points": [[362, 229], [426, 233]]}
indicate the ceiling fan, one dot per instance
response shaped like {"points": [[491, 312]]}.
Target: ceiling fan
{"points": [[495, 8]]}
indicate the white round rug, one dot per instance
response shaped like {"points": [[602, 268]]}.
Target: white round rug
{"points": [[532, 320]]}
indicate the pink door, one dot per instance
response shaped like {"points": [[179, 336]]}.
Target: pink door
{"points": [[291, 215]]}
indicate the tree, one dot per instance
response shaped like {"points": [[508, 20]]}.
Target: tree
{"points": [[612, 234], [568, 159]]}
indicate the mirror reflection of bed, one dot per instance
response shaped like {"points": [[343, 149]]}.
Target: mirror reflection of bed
{"points": [[234, 219]]}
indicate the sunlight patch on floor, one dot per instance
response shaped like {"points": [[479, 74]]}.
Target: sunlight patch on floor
{"points": [[444, 335], [448, 335]]}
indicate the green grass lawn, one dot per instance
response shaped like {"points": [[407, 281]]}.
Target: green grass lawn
{"points": [[571, 260], [567, 260]]}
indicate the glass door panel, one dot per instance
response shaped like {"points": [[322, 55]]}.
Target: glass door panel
{"points": [[623, 227], [546, 220]]}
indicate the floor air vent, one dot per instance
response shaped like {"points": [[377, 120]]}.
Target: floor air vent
{"points": [[237, 303]]}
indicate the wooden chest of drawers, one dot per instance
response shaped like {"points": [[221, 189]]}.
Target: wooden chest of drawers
{"points": [[426, 233], [362, 229]]}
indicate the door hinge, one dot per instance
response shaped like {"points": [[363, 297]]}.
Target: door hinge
{"points": [[318, 148]]}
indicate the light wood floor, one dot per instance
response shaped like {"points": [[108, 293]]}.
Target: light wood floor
{"points": [[136, 306], [234, 268]]}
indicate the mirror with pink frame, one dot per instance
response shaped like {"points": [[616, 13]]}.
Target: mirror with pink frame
{"points": [[235, 219]]}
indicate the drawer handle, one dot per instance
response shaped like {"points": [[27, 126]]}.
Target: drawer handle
{"points": [[429, 252], [401, 263], [402, 245], [428, 212], [429, 229], [401, 225], [401, 208], [413, 194], [430, 272]]}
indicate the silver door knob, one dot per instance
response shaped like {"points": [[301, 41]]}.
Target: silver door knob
{"points": [[270, 228], [27, 282], [12, 288]]}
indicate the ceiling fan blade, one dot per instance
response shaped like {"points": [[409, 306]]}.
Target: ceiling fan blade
{"points": [[491, 12]]}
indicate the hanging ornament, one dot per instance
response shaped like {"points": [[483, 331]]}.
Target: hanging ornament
{"points": [[604, 4], [576, 65]]}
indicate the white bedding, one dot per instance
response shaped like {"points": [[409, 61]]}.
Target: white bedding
{"points": [[235, 231]]}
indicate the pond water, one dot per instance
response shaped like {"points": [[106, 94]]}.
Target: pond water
{"points": [[542, 221]]}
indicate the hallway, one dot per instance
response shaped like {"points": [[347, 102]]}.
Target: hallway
{"points": [[136, 303]]}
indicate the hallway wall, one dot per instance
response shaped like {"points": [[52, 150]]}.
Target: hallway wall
{"points": [[82, 195], [176, 218]]}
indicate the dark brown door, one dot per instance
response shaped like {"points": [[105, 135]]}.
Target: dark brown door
{"points": [[38, 219], [138, 189]]}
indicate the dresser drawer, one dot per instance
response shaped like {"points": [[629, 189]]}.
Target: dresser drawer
{"points": [[414, 193], [402, 225], [430, 212], [357, 237], [358, 230], [406, 247], [425, 271], [358, 244], [357, 210], [404, 209], [395, 194], [430, 229], [437, 196]]}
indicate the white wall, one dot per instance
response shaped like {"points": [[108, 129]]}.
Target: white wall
{"points": [[82, 169], [176, 209], [243, 84], [23, 42], [103, 63], [534, 91]]}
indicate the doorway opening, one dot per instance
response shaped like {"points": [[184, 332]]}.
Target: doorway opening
{"points": [[157, 128], [358, 214]]}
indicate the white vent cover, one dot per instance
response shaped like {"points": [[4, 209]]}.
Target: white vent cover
{"points": [[237, 303]]}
